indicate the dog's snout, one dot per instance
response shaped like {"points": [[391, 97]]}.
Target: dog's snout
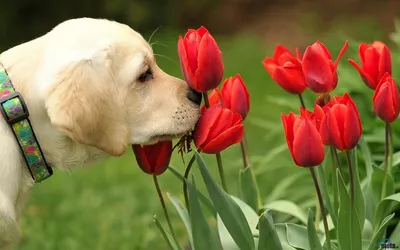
{"points": [[194, 96]]}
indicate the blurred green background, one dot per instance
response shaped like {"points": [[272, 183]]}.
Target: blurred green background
{"points": [[111, 205]]}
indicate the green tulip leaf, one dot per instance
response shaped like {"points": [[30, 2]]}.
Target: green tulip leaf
{"points": [[385, 207], [288, 207], [358, 194], [367, 156], [376, 184], [368, 230], [348, 228], [200, 228], [180, 208], [167, 237], [248, 188], [269, 238], [293, 235], [380, 233], [229, 211], [252, 218], [204, 199], [395, 236], [395, 162], [323, 185], [313, 238]]}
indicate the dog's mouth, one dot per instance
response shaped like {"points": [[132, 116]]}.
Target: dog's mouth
{"points": [[166, 137]]}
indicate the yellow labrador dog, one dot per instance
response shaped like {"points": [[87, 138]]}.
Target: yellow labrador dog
{"points": [[92, 88]]}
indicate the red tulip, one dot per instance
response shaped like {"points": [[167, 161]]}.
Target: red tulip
{"points": [[303, 139], [153, 159], [214, 98], [235, 95], [200, 59], [386, 99], [217, 129], [341, 126], [286, 70], [376, 60], [319, 70]]}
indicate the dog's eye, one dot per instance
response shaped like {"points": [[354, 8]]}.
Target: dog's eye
{"points": [[148, 75]]}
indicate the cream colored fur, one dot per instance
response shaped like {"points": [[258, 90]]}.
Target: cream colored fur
{"points": [[80, 83]]}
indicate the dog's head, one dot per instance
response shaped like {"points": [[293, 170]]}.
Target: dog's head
{"points": [[107, 91]]}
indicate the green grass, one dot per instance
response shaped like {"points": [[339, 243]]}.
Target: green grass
{"points": [[111, 205]]}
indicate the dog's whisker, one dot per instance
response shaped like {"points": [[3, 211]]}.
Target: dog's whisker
{"points": [[152, 34], [159, 43], [166, 57]]}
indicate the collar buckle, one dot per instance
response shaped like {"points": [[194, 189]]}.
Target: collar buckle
{"points": [[20, 114]]}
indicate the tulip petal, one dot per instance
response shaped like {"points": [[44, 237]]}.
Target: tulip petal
{"points": [[341, 53], [385, 61], [308, 150], [361, 51], [321, 49], [370, 64], [288, 124], [290, 79], [210, 67], [352, 127], [280, 50], [385, 101], [235, 95], [164, 157], [317, 71], [191, 47], [227, 138], [183, 60], [206, 121], [224, 121], [368, 80], [329, 131], [270, 66], [141, 158], [202, 31]]}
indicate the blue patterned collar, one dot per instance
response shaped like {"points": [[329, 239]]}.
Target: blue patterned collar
{"points": [[15, 112]]}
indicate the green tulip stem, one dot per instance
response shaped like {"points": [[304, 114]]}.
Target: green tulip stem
{"points": [[218, 155], [245, 151], [221, 172], [321, 205], [388, 157], [351, 176], [164, 207], [336, 157], [186, 176], [303, 105]]}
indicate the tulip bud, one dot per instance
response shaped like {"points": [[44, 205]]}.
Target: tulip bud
{"points": [[319, 70], [153, 159], [200, 59], [217, 129], [303, 139], [386, 99], [235, 95], [286, 70], [341, 126], [376, 60]]}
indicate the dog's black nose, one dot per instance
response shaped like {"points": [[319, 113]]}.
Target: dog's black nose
{"points": [[194, 96]]}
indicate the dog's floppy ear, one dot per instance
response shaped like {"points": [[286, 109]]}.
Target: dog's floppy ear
{"points": [[85, 104]]}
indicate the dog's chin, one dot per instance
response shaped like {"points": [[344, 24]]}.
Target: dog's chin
{"points": [[163, 137]]}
